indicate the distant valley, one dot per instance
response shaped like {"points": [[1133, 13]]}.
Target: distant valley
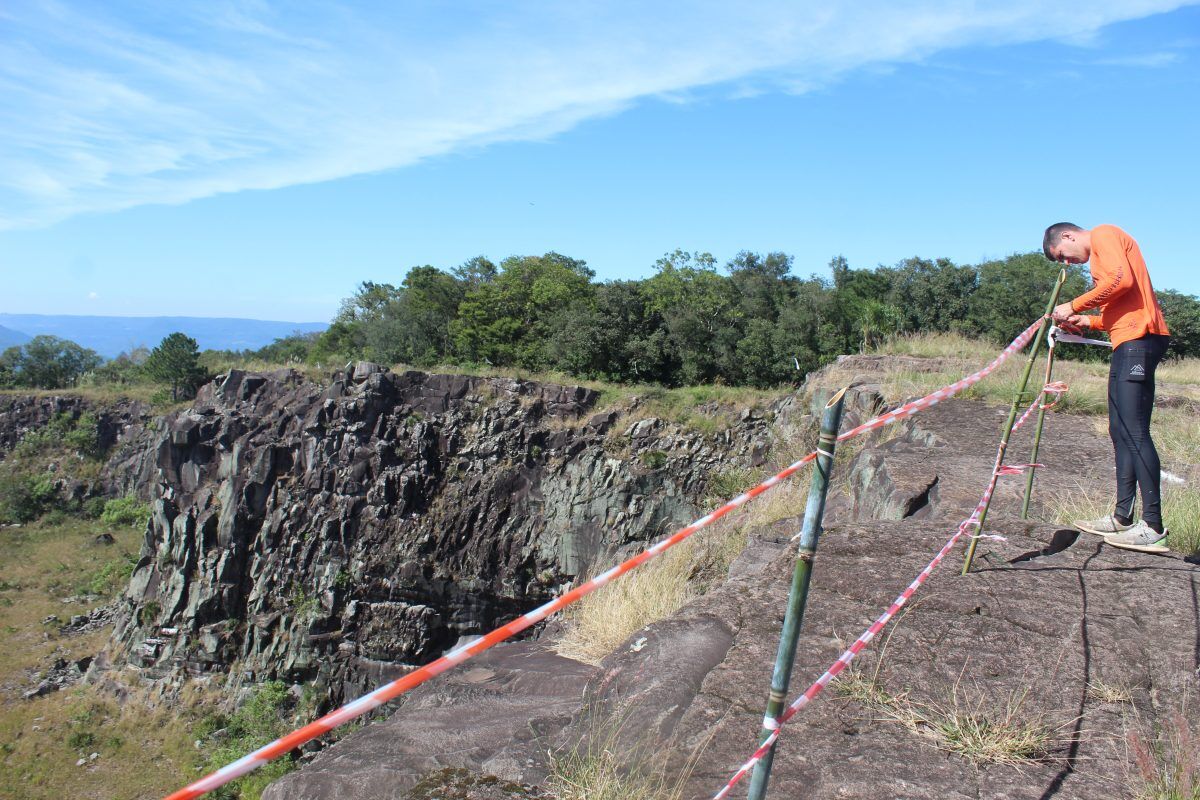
{"points": [[9, 337], [109, 336]]}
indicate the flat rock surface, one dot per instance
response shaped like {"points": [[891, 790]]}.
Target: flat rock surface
{"points": [[486, 717], [1029, 632]]}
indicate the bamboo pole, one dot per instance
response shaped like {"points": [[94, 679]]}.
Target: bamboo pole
{"points": [[1037, 433], [1012, 412], [798, 596]]}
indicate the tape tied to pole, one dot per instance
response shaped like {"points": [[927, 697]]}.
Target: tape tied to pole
{"points": [[1056, 388], [1016, 469]]}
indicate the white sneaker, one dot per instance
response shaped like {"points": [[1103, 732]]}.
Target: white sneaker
{"points": [[1140, 537], [1105, 526]]}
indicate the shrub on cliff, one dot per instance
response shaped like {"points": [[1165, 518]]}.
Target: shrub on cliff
{"points": [[24, 498], [270, 712], [125, 511]]}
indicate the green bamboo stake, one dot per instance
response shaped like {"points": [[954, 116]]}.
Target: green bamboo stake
{"points": [[1037, 435], [798, 596], [1016, 405]]}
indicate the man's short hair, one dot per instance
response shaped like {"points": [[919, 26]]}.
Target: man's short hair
{"points": [[1054, 236]]}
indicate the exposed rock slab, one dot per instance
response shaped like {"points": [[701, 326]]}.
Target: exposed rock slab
{"points": [[489, 717], [1026, 625]]}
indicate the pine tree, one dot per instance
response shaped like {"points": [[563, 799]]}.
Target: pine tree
{"points": [[176, 361]]}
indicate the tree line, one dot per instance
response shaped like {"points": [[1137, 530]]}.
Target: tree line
{"points": [[749, 322], [50, 362]]}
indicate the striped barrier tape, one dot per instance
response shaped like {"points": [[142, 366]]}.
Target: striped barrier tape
{"points": [[1017, 469], [932, 399], [862, 641], [1058, 389], [1057, 334], [390, 691]]}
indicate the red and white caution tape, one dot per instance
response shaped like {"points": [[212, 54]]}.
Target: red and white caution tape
{"points": [[1017, 469], [1059, 335], [861, 642], [1058, 389], [392, 690], [932, 399]]}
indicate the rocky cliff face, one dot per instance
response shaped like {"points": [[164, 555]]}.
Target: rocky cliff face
{"points": [[120, 431], [346, 532]]}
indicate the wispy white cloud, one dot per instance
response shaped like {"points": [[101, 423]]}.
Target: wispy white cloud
{"points": [[161, 103]]}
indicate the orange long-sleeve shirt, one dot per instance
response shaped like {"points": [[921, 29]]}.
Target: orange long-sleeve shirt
{"points": [[1121, 288]]}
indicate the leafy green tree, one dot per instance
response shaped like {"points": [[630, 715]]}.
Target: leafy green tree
{"points": [[1013, 292], [291, 349], [761, 360], [808, 332], [507, 320], [473, 272], [701, 311], [10, 361], [1182, 312], [761, 283], [414, 327], [123, 370], [176, 361], [930, 295], [861, 313], [612, 336], [48, 362], [347, 336]]}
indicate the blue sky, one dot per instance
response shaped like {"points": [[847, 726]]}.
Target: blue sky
{"points": [[257, 159]]}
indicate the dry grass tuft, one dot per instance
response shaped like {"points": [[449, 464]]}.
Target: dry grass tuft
{"points": [[1176, 436], [936, 345], [604, 766], [1103, 692], [972, 728], [1180, 370], [866, 690], [601, 621], [981, 734]]}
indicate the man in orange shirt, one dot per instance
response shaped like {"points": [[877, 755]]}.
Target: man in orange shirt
{"points": [[1130, 313]]}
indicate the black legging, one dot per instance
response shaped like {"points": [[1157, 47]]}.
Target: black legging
{"points": [[1130, 403]]}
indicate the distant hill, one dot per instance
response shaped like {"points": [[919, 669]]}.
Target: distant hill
{"points": [[9, 337], [109, 336]]}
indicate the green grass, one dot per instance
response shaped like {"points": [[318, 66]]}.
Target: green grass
{"points": [[41, 739], [109, 394], [125, 511], [270, 712], [1180, 507]]}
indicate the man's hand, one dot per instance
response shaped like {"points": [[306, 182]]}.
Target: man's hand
{"points": [[1062, 312], [1080, 321]]}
